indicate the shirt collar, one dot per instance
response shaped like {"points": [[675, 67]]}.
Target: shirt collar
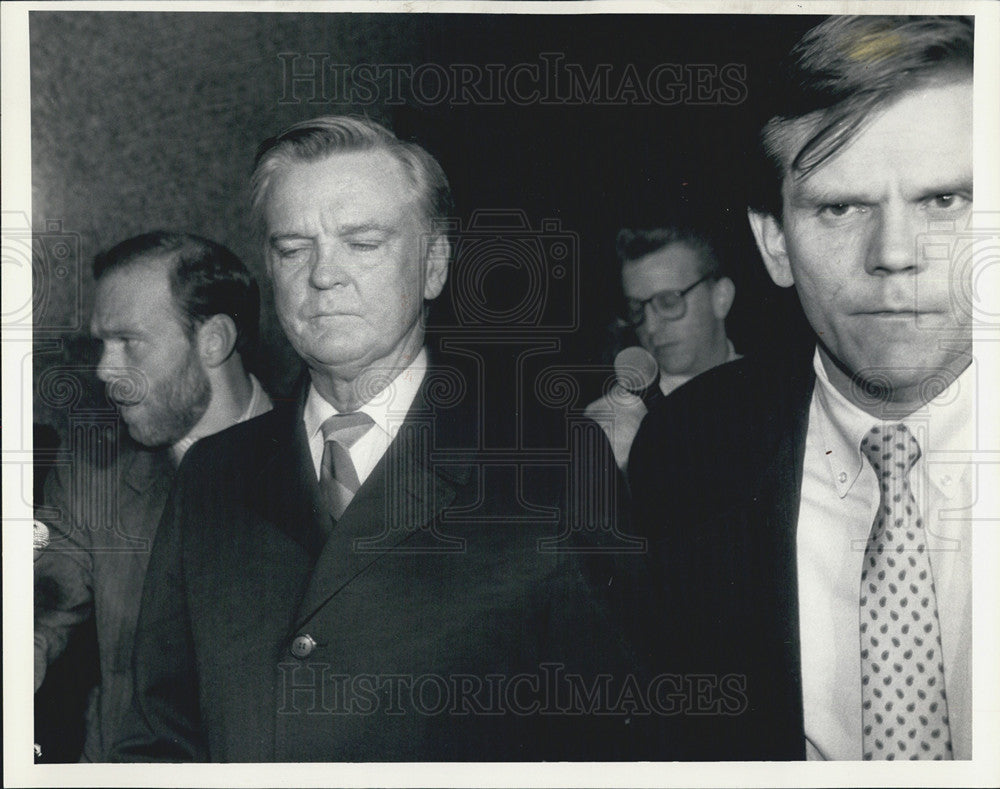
{"points": [[942, 425], [387, 408], [842, 425], [178, 450], [946, 427], [259, 403]]}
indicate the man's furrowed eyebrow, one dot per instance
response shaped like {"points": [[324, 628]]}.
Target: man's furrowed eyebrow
{"points": [[808, 193], [811, 194], [366, 227], [276, 237], [960, 187], [114, 330]]}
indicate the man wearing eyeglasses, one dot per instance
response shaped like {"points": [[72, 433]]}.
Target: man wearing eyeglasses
{"points": [[677, 299]]}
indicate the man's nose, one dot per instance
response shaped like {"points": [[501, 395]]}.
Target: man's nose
{"points": [[329, 269], [122, 381], [893, 246], [106, 365]]}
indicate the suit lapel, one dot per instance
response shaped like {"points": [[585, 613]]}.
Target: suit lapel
{"points": [[786, 473], [286, 489], [783, 475], [148, 475], [146, 467], [395, 508]]}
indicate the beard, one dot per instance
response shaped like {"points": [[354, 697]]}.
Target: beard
{"points": [[173, 405]]}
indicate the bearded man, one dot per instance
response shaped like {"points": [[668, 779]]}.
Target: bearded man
{"points": [[176, 315]]}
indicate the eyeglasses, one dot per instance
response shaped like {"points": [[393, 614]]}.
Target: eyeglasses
{"points": [[668, 304]]}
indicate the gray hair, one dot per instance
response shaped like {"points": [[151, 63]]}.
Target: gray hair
{"points": [[318, 138]]}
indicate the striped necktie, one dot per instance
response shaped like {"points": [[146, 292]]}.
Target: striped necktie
{"points": [[338, 478]]}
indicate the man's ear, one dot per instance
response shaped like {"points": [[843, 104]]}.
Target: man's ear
{"points": [[436, 266], [723, 293], [216, 340], [771, 243]]}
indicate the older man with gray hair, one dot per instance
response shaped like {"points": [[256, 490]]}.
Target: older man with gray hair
{"points": [[351, 578]]}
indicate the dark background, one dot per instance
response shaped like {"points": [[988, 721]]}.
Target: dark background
{"points": [[150, 120]]}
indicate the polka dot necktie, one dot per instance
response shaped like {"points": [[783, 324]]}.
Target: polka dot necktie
{"points": [[904, 707], [337, 476]]}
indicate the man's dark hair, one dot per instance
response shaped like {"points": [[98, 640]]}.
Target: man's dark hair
{"points": [[206, 279], [839, 76], [633, 244]]}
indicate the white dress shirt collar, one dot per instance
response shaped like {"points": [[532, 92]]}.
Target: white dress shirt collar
{"points": [[259, 403], [941, 426], [387, 409]]}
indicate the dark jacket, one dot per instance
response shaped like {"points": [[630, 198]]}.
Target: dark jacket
{"points": [[101, 507], [715, 474], [440, 606]]}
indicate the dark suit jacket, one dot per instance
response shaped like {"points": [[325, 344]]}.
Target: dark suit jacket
{"points": [[102, 509], [435, 609], [715, 474]]}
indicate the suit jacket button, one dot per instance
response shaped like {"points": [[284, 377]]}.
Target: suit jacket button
{"points": [[303, 646]]}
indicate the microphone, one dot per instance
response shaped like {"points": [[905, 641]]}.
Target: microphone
{"points": [[39, 538], [637, 372]]}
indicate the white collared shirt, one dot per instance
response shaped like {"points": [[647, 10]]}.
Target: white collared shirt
{"points": [[259, 404], [840, 495], [387, 409]]}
